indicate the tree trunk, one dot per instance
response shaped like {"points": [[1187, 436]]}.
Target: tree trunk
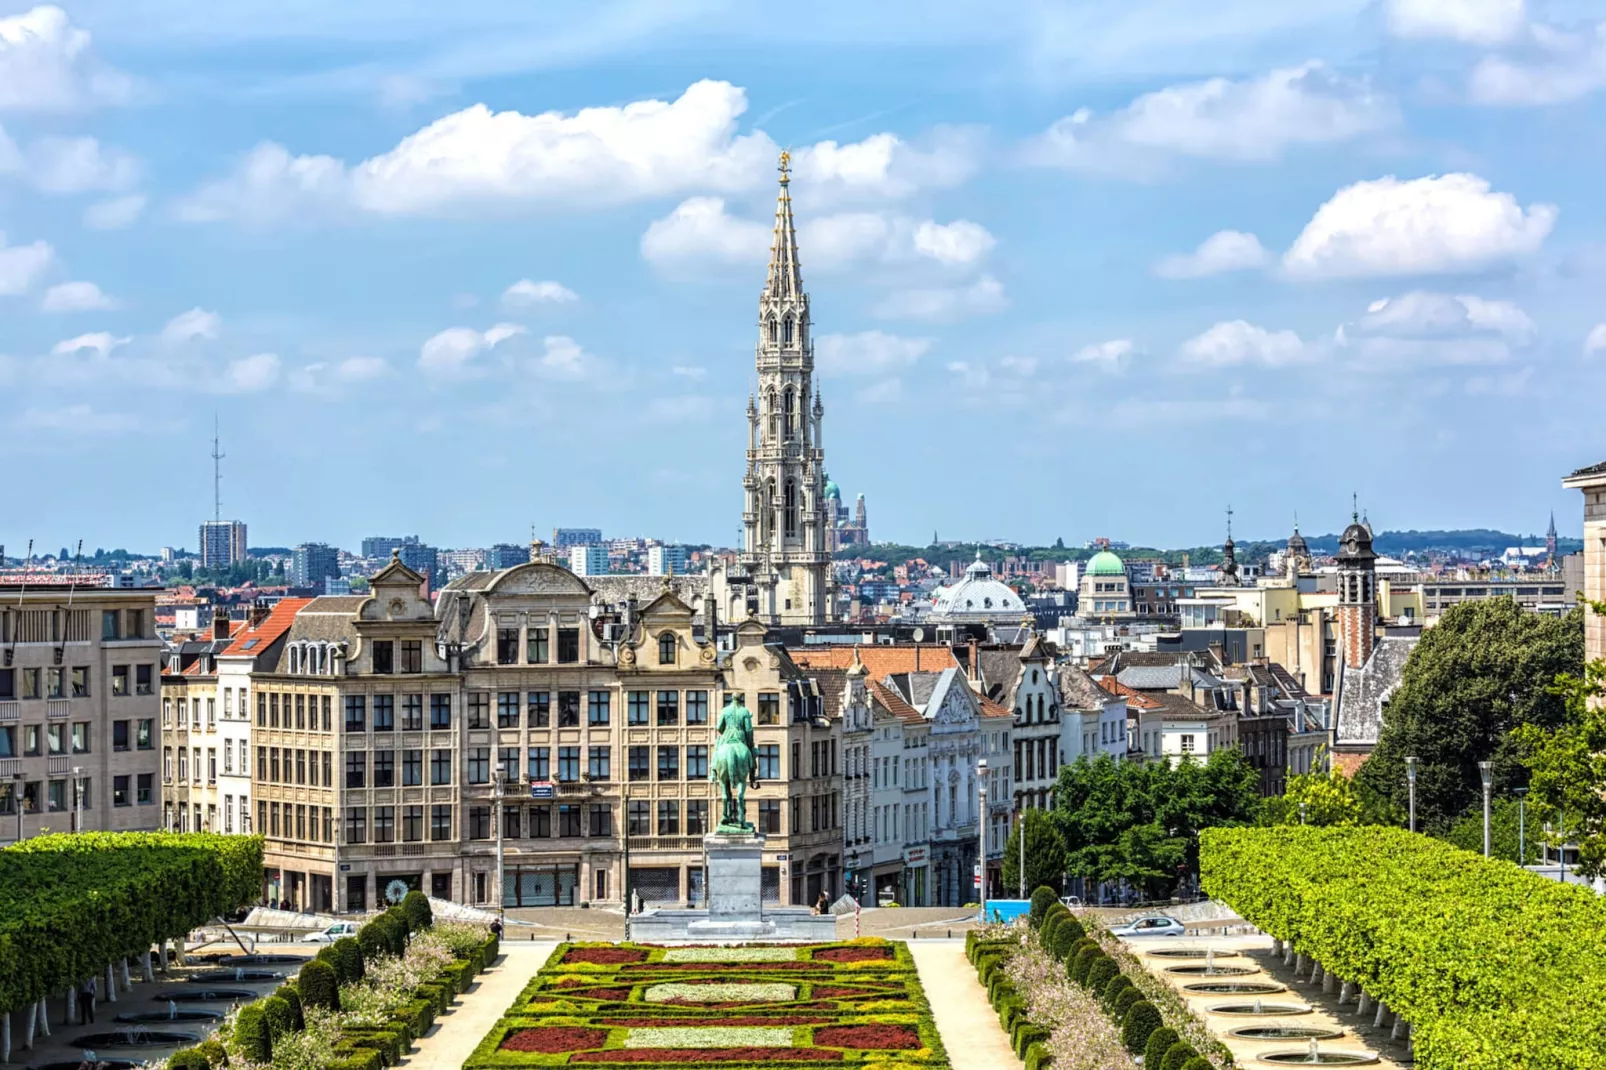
{"points": [[1299, 966], [1345, 991], [161, 955], [27, 1033], [127, 981], [1364, 1005], [111, 986], [1277, 948], [73, 1017], [43, 1010], [5, 1037], [1401, 1027], [1382, 1018], [145, 970], [1288, 954], [1316, 973], [1329, 982]]}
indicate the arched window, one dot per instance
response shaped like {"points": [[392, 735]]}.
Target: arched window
{"points": [[790, 509], [789, 405], [770, 409], [767, 512], [773, 329], [786, 330], [666, 648]]}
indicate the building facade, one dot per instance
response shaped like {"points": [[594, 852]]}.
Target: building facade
{"points": [[222, 543], [313, 562], [1591, 482]]}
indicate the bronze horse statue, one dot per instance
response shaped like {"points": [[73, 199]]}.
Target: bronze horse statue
{"points": [[735, 766]]}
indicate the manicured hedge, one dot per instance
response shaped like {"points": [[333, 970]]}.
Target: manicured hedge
{"points": [[1042, 899], [1494, 967], [75, 904], [1159, 1042]]}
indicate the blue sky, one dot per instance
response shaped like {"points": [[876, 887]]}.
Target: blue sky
{"points": [[1078, 269]]}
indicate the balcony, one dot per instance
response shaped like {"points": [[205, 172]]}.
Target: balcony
{"points": [[58, 707], [10, 710], [59, 765], [666, 843], [10, 767]]}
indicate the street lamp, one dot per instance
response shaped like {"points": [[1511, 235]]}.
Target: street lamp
{"points": [[16, 798], [1020, 855], [981, 821], [1522, 826], [78, 798], [1486, 771], [497, 816], [1410, 786], [1302, 813]]}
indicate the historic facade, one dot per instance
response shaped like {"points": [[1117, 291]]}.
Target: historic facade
{"points": [[786, 554]]}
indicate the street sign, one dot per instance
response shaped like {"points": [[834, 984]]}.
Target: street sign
{"points": [[345, 867], [541, 789]]}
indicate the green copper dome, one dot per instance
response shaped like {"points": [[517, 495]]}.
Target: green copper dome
{"points": [[1105, 563], [832, 490]]}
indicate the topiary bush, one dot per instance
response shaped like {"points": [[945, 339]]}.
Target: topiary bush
{"points": [[1045, 935], [415, 908], [1113, 989], [211, 1049], [319, 986], [252, 1040], [1178, 1054], [277, 1017], [1123, 1002], [1141, 1024], [1067, 935], [1042, 899], [187, 1059], [1101, 973], [1198, 1062], [1073, 923], [372, 941], [292, 998], [1082, 963], [397, 930], [346, 957], [1037, 1057], [1159, 1042]]}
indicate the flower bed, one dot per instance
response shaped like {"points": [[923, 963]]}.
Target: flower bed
{"points": [[857, 1003]]}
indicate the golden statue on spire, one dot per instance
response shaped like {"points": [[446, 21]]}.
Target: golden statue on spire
{"points": [[786, 166]]}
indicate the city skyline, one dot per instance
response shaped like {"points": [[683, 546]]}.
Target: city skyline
{"points": [[1324, 251]]}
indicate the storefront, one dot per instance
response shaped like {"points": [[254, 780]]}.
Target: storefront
{"points": [[915, 867], [540, 886]]}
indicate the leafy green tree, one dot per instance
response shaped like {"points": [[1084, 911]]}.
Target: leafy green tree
{"points": [[1045, 852], [1466, 831], [1568, 769], [1487, 668], [1328, 799]]}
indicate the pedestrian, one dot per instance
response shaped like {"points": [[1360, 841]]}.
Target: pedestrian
{"points": [[496, 928], [86, 1001], [822, 905]]}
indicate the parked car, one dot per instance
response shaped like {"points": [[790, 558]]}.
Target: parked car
{"points": [[1151, 925], [337, 931], [1072, 901]]}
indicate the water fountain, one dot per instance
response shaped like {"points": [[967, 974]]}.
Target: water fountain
{"points": [[238, 975], [1191, 953], [1259, 1009], [172, 1015], [1234, 988], [1314, 1056], [89, 1061], [211, 995], [137, 1036], [1286, 1031], [172, 1010]]}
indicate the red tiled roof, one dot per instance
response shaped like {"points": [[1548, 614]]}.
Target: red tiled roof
{"points": [[989, 708], [1133, 697], [879, 661], [892, 702], [270, 630]]}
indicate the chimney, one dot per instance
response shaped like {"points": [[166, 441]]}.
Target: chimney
{"points": [[259, 613], [220, 623], [975, 661]]}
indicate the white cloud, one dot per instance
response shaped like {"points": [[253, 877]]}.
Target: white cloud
{"points": [[563, 358], [114, 214], [452, 349], [1553, 67], [100, 343], [959, 242], [21, 265], [1595, 343], [250, 375], [1441, 224], [196, 323], [1422, 328], [524, 293], [1504, 384], [1236, 342], [79, 165], [701, 229], [1223, 251], [78, 419], [1111, 356], [867, 353], [1247, 121], [77, 297], [46, 65], [1018, 365], [984, 296], [360, 369], [1473, 22], [885, 165]]}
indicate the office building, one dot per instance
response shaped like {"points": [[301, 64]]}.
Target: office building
{"points": [[666, 561], [222, 543], [566, 538], [588, 560], [381, 545], [313, 562]]}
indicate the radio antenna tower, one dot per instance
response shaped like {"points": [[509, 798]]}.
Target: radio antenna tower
{"points": [[217, 473]]}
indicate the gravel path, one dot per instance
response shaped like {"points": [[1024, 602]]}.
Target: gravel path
{"points": [[965, 1021]]}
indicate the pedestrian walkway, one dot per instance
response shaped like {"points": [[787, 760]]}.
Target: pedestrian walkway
{"points": [[965, 1020], [456, 1032]]}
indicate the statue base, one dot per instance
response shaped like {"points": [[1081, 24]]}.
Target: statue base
{"points": [[736, 912]]}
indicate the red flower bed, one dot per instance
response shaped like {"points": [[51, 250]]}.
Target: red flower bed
{"points": [[605, 956], [603, 993], [779, 1019], [878, 1037], [711, 1055], [853, 954], [744, 967], [554, 1039], [838, 992]]}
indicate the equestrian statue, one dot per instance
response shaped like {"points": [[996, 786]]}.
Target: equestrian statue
{"points": [[734, 767]]}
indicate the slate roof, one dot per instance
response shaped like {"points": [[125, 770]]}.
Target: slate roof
{"points": [[1363, 692], [1078, 691], [833, 684]]}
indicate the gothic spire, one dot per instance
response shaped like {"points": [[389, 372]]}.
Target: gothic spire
{"points": [[785, 277]]}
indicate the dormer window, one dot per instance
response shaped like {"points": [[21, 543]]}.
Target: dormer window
{"points": [[666, 648]]}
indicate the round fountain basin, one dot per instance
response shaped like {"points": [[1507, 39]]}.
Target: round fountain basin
{"points": [[135, 1038], [1285, 1031], [1267, 1010], [1212, 971], [158, 1017], [237, 975], [78, 1064], [1234, 988], [1321, 1058], [228, 962], [1191, 953], [207, 995]]}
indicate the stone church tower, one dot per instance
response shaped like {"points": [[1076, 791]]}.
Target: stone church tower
{"points": [[786, 526], [1357, 594]]}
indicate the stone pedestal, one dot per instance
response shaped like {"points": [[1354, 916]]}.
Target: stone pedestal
{"points": [[735, 911], [735, 880]]}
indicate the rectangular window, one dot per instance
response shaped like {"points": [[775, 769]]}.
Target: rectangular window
{"points": [[668, 707], [119, 680], [384, 713], [568, 764], [440, 766], [412, 710], [384, 768], [228, 756], [568, 709], [668, 817], [143, 788], [539, 763], [56, 735], [262, 710], [8, 683], [568, 645], [211, 765], [540, 709], [638, 818], [30, 683], [697, 707], [273, 819], [80, 682], [120, 795], [384, 824], [540, 822], [601, 819], [697, 762], [479, 765], [637, 707], [356, 824], [143, 676], [412, 768], [384, 657], [262, 763], [769, 707], [301, 712], [440, 712], [507, 646], [640, 759], [696, 817], [356, 770], [356, 713], [108, 624], [512, 826], [768, 757], [479, 817], [507, 709], [569, 820], [599, 763], [479, 709], [536, 650], [440, 822], [119, 736], [597, 707], [412, 824], [668, 763], [328, 766], [412, 655], [507, 759]]}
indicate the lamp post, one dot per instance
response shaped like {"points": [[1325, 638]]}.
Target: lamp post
{"points": [[1410, 787], [1020, 856], [1486, 771], [16, 799], [1522, 826], [497, 816], [1302, 813], [78, 798], [981, 822]]}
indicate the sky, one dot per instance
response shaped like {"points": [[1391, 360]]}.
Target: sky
{"points": [[1082, 269]]}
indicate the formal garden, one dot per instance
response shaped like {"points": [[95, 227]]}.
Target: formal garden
{"points": [[856, 1002]]}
